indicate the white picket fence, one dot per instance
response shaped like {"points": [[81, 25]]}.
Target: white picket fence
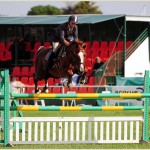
{"points": [[65, 130]]}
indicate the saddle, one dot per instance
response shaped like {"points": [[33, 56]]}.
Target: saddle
{"points": [[53, 57]]}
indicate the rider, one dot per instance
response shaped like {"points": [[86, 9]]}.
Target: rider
{"points": [[65, 31]]}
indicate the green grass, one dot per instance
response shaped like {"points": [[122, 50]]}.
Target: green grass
{"points": [[81, 146], [79, 113]]}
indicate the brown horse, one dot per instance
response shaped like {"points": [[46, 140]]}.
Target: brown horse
{"points": [[63, 67]]}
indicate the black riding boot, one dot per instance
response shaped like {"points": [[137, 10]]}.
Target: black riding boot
{"points": [[57, 51], [61, 52], [50, 62]]}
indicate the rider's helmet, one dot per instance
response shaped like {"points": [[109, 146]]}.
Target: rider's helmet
{"points": [[73, 18]]}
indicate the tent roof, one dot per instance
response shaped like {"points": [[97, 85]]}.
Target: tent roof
{"points": [[30, 20]]}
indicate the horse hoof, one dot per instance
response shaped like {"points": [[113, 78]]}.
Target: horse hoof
{"points": [[45, 90], [37, 91], [82, 82]]}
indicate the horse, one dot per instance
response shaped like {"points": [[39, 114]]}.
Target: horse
{"points": [[63, 67]]}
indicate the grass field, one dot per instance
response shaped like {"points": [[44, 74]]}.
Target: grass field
{"points": [[82, 146]]}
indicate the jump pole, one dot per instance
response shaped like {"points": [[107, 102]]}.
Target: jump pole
{"points": [[73, 108], [84, 95]]}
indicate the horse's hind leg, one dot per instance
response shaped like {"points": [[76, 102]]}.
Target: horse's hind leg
{"points": [[36, 89], [45, 89]]}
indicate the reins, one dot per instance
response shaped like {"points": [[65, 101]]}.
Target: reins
{"points": [[73, 58]]}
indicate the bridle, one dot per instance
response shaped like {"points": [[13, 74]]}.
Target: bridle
{"points": [[73, 54]]}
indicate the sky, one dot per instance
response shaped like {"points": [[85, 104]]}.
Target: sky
{"points": [[20, 8]]}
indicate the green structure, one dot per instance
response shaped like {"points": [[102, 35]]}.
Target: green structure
{"points": [[6, 94]]}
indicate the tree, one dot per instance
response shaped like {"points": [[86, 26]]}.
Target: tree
{"points": [[44, 10], [68, 10], [83, 7]]}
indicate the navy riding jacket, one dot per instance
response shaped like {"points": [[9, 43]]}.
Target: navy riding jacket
{"points": [[64, 32]]}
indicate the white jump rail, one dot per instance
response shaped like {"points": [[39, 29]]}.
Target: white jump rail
{"points": [[65, 130]]}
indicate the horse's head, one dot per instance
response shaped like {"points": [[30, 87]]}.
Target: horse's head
{"points": [[77, 48]]}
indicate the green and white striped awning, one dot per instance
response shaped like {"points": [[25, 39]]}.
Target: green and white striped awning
{"points": [[41, 20]]}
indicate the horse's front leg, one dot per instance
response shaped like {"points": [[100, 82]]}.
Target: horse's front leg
{"points": [[82, 78], [69, 83], [45, 89], [70, 74]]}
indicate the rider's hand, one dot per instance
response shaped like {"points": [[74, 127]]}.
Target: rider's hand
{"points": [[66, 43]]}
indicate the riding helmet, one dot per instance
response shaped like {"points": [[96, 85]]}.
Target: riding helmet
{"points": [[73, 18]]}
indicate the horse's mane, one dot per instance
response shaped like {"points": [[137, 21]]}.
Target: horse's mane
{"points": [[79, 45]]}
